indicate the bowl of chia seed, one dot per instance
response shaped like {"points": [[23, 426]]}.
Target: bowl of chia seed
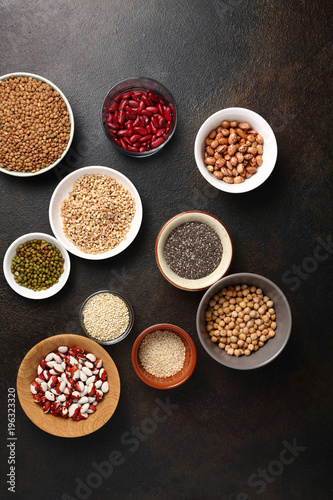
{"points": [[193, 250]]}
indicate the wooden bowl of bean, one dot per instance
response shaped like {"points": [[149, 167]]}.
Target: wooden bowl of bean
{"points": [[64, 424], [235, 150], [244, 321], [193, 250], [164, 356], [45, 139], [139, 116]]}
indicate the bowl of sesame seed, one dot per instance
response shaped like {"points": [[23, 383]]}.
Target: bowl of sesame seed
{"points": [[106, 317], [193, 250], [95, 212], [164, 356]]}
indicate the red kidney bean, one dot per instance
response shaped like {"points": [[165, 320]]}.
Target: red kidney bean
{"points": [[135, 137], [167, 113], [140, 130], [145, 138], [113, 107], [122, 104], [139, 120]]}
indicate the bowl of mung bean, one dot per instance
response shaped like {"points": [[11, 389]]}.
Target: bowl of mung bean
{"points": [[244, 321], [193, 250], [95, 212], [164, 356], [235, 150], [106, 317], [37, 124], [36, 266]]}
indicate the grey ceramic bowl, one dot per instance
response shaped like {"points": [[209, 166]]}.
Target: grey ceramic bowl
{"points": [[272, 348]]}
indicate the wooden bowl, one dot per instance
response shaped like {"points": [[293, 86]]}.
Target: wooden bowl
{"points": [[57, 425]]}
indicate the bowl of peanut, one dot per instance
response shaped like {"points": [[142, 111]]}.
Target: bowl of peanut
{"points": [[244, 321], [235, 150]]}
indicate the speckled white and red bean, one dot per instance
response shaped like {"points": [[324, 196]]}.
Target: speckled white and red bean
{"points": [[70, 383]]}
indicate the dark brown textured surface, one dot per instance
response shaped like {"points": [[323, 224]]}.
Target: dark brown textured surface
{"points": [[272, 57]]}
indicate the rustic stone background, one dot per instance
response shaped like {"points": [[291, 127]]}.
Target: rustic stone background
{"points": [[274, 58]]}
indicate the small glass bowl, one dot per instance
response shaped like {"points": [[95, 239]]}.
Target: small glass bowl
{"points": [[130, 321], [137, 84]]}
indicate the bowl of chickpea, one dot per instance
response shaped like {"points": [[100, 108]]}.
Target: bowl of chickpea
{"points": [[244, 321], [235, 150]]}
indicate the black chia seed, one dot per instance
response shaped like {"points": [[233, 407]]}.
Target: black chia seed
{"points": [[193, 250]]}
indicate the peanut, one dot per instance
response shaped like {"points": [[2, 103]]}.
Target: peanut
{"points": [[233, 152]]}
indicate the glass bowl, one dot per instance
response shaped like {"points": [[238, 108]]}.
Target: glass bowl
{"points": [[136, 85], [123, 334]]}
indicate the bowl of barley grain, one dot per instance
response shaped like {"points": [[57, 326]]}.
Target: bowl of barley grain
{"points": [[37, 125], [95, 212]]}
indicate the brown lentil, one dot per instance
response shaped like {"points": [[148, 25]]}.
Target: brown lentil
{"points": [[105, 316], [97, 214], [34, 124], [240, 319], [233, 152], [162, 353]]}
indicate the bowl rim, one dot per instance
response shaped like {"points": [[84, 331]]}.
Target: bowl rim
{"points": [[151, 152], [84, 427], [163, 228], [130, 322], [256, 180], [243, 277], [73, 177], [178, 331], [71, 119], [26, 292]]}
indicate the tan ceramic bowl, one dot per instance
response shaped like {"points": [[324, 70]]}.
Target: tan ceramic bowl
{"points": [[57, 425], [222, 268]]}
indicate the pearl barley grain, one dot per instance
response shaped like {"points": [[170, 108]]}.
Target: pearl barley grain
{"points": [[162, 353], [105, 316]]}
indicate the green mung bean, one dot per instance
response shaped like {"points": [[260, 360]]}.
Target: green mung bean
{"points": [[37, 265]]}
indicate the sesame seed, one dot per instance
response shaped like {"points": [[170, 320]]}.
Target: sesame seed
{"points": [[162, 353]]}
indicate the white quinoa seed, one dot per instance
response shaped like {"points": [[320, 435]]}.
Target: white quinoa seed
{"points": [[162, 353], [97, 214], [105, 316]]}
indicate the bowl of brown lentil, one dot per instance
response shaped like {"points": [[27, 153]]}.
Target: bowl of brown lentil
{"points": [[95, 212], [106, 317], [164, 356], [244, 321], [36, 266], [235, 150], [193, 250], [38, 124]]}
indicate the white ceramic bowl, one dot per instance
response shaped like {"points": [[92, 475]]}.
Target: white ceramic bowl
{"points": [[272, 348], [222, 268], [61, 193], [269, 151], [71, 118], [26, 292]]}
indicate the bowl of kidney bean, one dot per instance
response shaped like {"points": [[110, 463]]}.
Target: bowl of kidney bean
{"points": [[193, 250], [68, 385], [235, 150], [244, 321], [139, 116]]}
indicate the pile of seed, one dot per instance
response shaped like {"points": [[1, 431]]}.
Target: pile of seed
{"points": [[97, 214], [37, 265], [34, 124], [162, 353], [240, 319], [105, 316], [193, 250]]}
